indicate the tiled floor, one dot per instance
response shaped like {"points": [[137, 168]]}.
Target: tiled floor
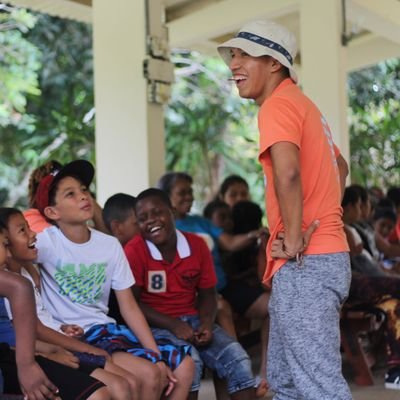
{"points": [[375, 392]]}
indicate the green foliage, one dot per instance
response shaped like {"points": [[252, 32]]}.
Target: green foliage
{"points": [[210, 131], [374, 112], [19, 63], [49, 110]]}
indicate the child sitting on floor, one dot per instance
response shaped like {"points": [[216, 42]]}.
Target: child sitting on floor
{"points": [[175, 286], [79, 268], [21, 370]]}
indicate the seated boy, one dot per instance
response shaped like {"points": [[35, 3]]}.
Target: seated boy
{"points": [[79, 268], [175, 285], [119, 217], [120, 220]]}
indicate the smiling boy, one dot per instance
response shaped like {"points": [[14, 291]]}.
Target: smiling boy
{"points": [[175, 286]]}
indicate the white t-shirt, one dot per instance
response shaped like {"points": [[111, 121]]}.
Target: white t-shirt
{"points": [[77, 277]]}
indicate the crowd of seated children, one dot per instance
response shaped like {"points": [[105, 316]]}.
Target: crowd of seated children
{"points": [[79, 268], [37, 377], [254, 302], [175, 287], [373, 227], [117, 213], [371, 285], [121, 383]]}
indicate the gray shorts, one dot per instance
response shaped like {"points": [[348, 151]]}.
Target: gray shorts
{"points": [[304, 360]]}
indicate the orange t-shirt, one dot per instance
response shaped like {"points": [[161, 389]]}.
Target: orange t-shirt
{"points": [[36, 221], [289, 116]]}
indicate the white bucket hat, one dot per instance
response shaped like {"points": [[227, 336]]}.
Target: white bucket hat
{"points": [[264, 38]]}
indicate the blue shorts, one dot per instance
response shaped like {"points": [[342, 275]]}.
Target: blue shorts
{"points": [[223, 355], [113, 337]]}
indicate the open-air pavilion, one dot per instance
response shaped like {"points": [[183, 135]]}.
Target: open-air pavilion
{"points": [[335, 37], [133, 74]]}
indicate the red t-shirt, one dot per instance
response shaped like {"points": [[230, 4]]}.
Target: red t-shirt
{"points": [[289, 116], [171, 289]]}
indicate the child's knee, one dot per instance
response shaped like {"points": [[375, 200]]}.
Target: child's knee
{"points": [[120, 388], [152, 376], [186, 369]]}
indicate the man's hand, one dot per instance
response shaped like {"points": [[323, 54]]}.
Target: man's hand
{"points": [[182, 330], [34, 383], [203, 335], [278, 245]]}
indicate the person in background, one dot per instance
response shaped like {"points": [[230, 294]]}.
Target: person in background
{"points": [[234, 189]]}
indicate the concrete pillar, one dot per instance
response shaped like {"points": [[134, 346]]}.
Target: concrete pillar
{"points": [[323, 61], [129, 130]]}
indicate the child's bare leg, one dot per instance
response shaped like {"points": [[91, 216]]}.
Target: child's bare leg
{"points": [[133, 381], [184, 374], [259, 310], [100, 394], [117, 386], [220, 389], [147, 373]]}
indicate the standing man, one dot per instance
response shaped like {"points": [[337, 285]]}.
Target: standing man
{"points": [[305, 176]]}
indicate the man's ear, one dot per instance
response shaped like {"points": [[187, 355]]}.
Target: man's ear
{"points": [[51, 213], [275, 65]]}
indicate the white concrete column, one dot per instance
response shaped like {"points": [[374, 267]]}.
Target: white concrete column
{"points": [[129, 130], [323, 61]]}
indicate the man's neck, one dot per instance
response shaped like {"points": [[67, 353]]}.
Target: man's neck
{"points": [[270, 87]]}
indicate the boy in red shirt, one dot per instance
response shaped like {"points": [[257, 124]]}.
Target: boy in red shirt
{"points": [[175, 287]]}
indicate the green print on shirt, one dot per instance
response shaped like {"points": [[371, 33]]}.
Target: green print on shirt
{"points": [[83, 284]]}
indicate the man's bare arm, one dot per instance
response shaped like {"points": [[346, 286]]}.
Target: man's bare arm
{"points": [[287, 182], [343, 173]]}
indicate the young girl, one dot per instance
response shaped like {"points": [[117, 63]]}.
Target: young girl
{"points": [[37, 377], [92, 360], [234, 189]]}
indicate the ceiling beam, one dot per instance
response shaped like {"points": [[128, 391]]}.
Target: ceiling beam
{"points": [[380, 17], [223, 17], [370, 50]]}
